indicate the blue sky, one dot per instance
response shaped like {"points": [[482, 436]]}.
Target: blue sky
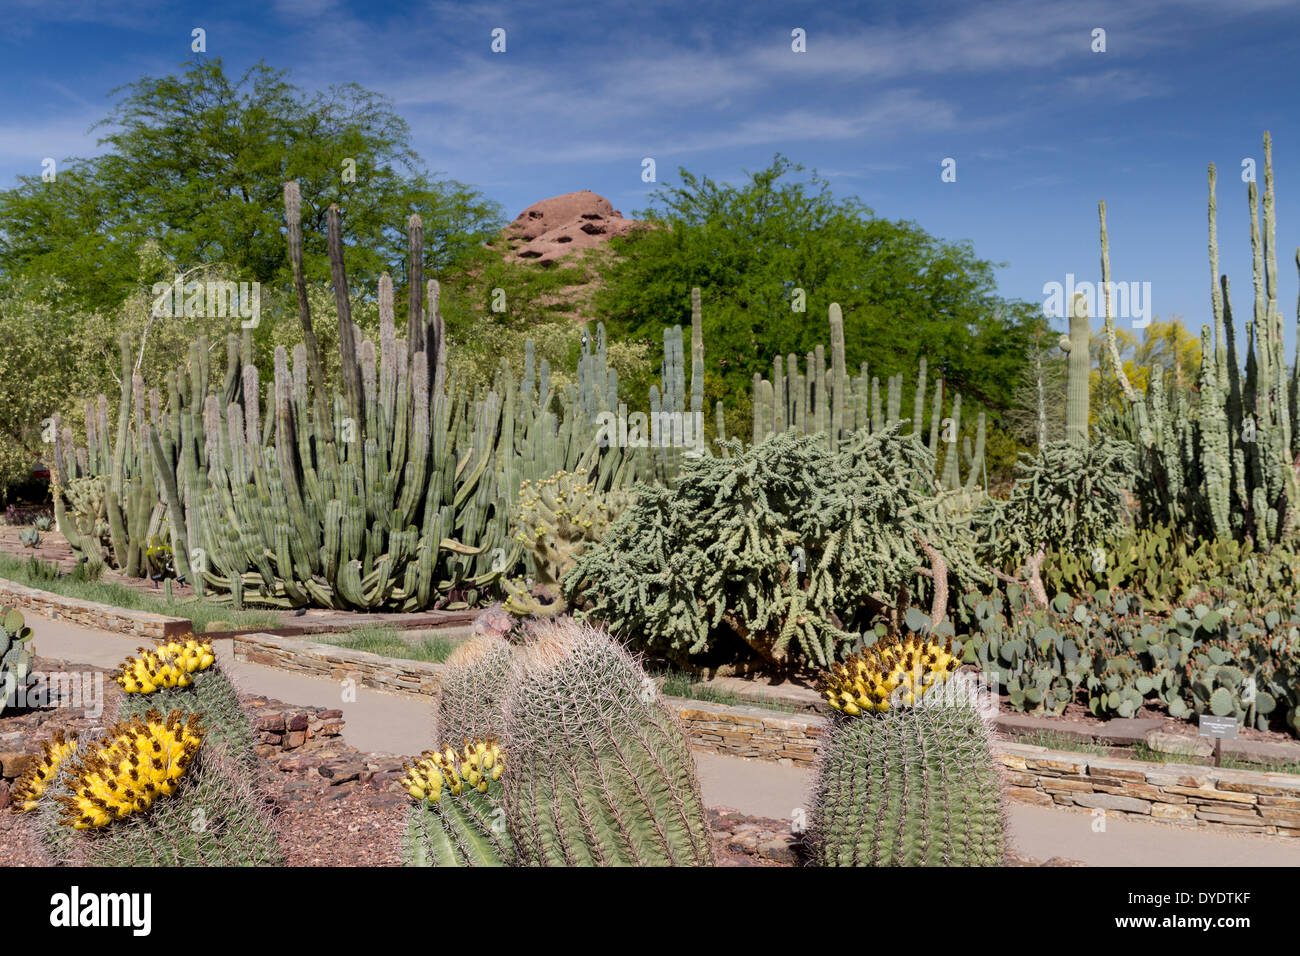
{"points": [[1041, 127]]}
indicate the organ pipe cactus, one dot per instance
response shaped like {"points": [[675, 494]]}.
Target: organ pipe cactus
{"points": [[600, 772], [1223, 466], [394, 494], [906, 775], [834, 402]]}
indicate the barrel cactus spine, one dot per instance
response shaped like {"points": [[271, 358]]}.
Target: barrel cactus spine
{"points": [[906, 775]]}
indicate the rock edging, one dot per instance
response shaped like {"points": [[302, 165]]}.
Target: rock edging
{"points": [[92, 614]]}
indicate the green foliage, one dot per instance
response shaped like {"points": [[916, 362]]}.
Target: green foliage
{"points": [[750, 246], [600, 772], [195, 163], [913, 786], [17, 652], [786, 544]]}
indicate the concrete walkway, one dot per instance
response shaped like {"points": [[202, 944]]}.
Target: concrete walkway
{"points": [[374, 722], [389, 723]]}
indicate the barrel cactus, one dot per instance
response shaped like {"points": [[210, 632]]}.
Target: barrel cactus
{"points": [[906, 776], [156, 791], [600, 771], [471, 699], [456, 820], [16, 655], [183, 674]]}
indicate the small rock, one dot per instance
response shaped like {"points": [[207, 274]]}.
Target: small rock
{"points": [[4, 795], [1179, 744], [298, 722], [744, 842], [294, 739], [330, 714], [14, 765], [271, 724], [779, 850]]}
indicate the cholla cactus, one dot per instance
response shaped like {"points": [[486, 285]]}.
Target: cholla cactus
{"points": [[33, 784], [559, 518], [455, 821], [1071, 496], [140, 761], [600, 771], [906, 774]]}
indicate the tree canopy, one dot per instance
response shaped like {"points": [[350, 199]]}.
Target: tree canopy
{"points": [[750, 247], [196, 165]]}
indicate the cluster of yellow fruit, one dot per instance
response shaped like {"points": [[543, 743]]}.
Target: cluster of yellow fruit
{"points": [[478, 763], [31, 786], [890, 672], [138, 762], [168, 665]]}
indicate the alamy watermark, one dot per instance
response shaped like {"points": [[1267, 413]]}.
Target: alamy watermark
{"points": [[79, 690], [1129, 300], [209, 300], [656, 430]]}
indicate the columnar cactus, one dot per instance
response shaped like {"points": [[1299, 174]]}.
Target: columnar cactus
{"points": [[835, 403], [600, 772], [906, 774], [1077, 344], [1223, 467]]}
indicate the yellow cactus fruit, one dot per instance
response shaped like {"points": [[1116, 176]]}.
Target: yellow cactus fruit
{"points": [[479, 762], [31, 786], [168, 665], [135, 763], [890, 673]]}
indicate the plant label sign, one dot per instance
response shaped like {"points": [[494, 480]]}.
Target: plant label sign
{"points": [[1212, 726]]}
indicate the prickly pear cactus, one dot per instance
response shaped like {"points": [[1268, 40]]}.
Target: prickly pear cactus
{"points": [[16, 656], [906, 776]]}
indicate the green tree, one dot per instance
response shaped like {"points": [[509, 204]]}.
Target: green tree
{"points": [[750, 248], [196, 163]]}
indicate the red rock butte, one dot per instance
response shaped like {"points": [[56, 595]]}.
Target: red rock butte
{"points": [[561, 225]]}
